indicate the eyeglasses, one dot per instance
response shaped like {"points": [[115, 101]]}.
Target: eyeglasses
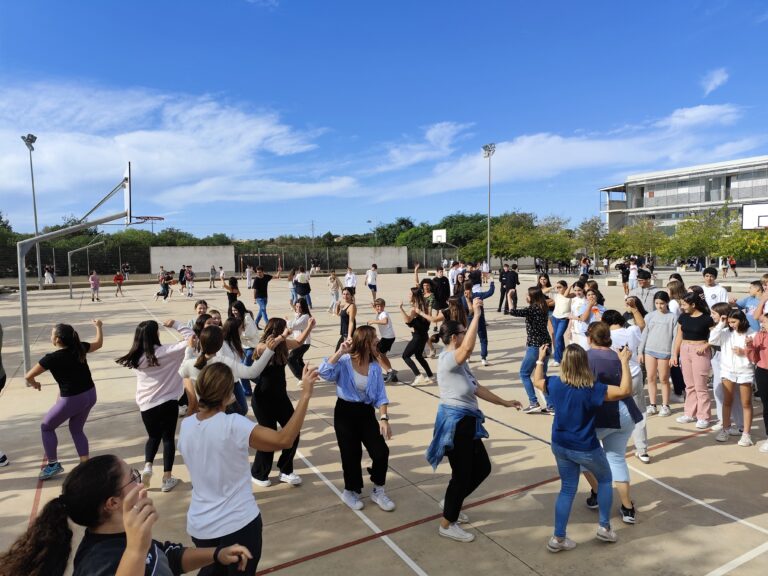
{"points": [[135, 478]]}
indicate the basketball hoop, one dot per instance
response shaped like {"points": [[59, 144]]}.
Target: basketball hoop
{"points": [[145, 219]]}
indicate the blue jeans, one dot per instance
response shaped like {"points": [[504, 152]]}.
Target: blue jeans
{"points": [[569, 464], [248, 361], [615, 444], [482, 333], [559, 325], [526, 370], [262, 302]]}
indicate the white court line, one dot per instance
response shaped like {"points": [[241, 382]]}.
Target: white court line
{"points": [[155, 318], [376, 530], [706, 505], [736, 562]]}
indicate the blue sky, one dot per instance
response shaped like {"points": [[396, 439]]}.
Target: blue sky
{"points": [[254, 118]]}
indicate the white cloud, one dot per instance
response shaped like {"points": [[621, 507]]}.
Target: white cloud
{"points": [[702, 115], [438, 142], [713, 80]]}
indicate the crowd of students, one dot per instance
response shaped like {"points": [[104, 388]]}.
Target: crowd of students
{"points": [[598, 399]]}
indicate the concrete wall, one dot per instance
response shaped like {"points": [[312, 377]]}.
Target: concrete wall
{"points": [[387, 258], [199, 257]]}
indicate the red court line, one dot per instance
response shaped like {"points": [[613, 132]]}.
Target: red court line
{"points": [[38, 493], [400, 528]]}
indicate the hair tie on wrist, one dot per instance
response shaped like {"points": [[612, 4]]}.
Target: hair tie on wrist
{"points": [[216, 554]]}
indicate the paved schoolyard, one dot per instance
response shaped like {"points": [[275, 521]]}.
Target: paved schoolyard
{"points": [[702, 506]]}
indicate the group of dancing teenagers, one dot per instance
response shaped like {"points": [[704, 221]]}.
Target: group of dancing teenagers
{"points": [[598, 401]]}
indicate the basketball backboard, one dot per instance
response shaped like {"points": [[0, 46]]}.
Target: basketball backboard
{"points": [[754, 216], [127, 194], [439, 236]]}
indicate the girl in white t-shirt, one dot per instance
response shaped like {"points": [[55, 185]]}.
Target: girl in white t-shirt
{"points": [[215, 449]]}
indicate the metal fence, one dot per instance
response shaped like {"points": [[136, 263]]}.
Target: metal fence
{"points": [[107, 260]]}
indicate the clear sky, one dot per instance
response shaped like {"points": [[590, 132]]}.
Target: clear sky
{"points": [[254, 118]]}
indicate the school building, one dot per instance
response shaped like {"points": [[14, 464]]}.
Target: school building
{"points": [[670, 196]]}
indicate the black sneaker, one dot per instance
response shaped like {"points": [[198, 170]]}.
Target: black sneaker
{"points": [[592, 500], [628, 514], [532, 408]]}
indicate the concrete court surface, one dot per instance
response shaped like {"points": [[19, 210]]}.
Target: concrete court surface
{"points": [[702, 506]]}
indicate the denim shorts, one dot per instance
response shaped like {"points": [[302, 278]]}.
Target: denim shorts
{"points": [[658, 355]]}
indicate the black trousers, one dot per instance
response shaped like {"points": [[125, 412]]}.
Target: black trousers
{"points": [[248, 536], [761, 381], [356, 426], [416, 348], [470, 465], [160, 423], [296, 360], [678, 383], [270, 410]]}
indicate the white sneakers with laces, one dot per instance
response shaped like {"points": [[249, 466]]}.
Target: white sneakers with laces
{"points": [[379, 496], [292, 479], [455, 532], [352, 499]]}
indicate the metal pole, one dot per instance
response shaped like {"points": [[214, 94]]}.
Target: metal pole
{"points": [[53, 272], [488, 244], [21, 251], [37, 233], [328, 259], [69, 273], [119, 257], [87, 263]]}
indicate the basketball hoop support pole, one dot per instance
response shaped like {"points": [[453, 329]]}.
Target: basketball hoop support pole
{"points": [[21, 251]]}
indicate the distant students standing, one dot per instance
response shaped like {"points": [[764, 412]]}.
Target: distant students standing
{"points": [[260, 284], [371, 278]]}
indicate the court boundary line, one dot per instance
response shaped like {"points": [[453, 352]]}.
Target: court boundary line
{"points": [[739, 560]]}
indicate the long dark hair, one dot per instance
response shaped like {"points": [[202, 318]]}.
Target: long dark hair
{"points": [[44, 549], [693, 299], [538, 299], [456, 311], [231, 331], [303, 306], [241, 309], [417, 299], [275, 327], [447, 330], [211, 341], [145, 339], [71, 340]]}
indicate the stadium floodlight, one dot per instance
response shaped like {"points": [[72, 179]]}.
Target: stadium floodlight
{"points": [[29, 140], [488, 151]]}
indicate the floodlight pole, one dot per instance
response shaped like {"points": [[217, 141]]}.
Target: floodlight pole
{"points": [[488, 150], [21, 252], [29, 140]]}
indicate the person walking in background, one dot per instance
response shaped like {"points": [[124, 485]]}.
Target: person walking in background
{"points": [[249, 277], [507, 281], [371, 277], [350, 280], [334, 290], [260, 283], [77, 392], [732, 265], [212, 277], [94, 281], [222, 276], [189, 278], [233, 294], [303, 288]]}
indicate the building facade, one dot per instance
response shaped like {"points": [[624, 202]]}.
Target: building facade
{"points": [[670, 196]]}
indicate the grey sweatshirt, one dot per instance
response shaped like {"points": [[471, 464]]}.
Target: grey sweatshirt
{"points": [[659, 333]]}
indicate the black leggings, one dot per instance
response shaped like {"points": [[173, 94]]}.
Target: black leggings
{"points": [[248, 536], [296, 360], [470, 465], [160, 423], [761, 381], [269, 410], [678, 383], [416, 348], [356, 426]]}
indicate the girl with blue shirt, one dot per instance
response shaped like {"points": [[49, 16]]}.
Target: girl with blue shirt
{"points": [[360, 390], [576, 397], [459, 423]]}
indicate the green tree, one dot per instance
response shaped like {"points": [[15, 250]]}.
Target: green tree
{"points": [[589, 235], [174, 237], [417, 237], [644, 237], [614, 245], [699, 235], [751, 244], [386, 234]]}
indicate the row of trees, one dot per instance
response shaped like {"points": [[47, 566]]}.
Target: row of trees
{"points": [[513, 235]]}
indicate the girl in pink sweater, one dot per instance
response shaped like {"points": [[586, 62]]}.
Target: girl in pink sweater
{"points": [[158, 389], [757, 352]]}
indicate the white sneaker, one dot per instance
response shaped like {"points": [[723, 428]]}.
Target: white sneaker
{"points": [[263, 483], [717, 426], [665, 411], [292, 479], [352, 499], [651, 410], [746, 440], [733, 431], [454, 532], [764, 447], [183, 410], [554, 363], [379, 496], [702, 424], [684, 419], [484, 362], [146, 477], [463, 518], [169, 484], [4, 460], [722, 436], [606, 534]]}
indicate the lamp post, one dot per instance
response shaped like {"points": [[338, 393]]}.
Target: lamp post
{"points": [[29, 140], [488, 150], [375, 232]]}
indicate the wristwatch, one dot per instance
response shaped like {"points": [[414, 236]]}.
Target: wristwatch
{"points": [[384, 417]]}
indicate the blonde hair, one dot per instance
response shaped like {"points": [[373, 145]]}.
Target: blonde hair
{"points": [[574, 369], [363, 344], [676, 290], [215, 385]]}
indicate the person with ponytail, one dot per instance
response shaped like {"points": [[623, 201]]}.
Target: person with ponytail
{"points": [[158, 389], [215, 446], [459, 430], [77, 392], [104, 495]]}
